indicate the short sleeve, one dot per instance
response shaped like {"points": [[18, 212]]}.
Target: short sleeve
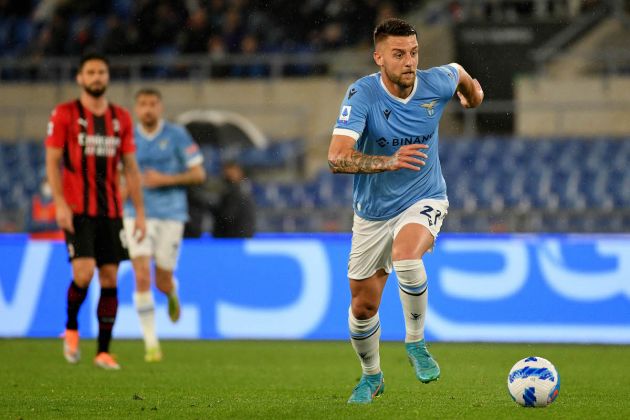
{"points": [[188, 149], [127, 144], [448, 79], [353, 112], [57, 133]]}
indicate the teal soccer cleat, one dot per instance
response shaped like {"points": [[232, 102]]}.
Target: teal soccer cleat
{"points": [[368, 388], [426, 368]]}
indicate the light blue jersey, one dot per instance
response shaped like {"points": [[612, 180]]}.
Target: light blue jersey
{"points": [[381, 123], [170, 150]]}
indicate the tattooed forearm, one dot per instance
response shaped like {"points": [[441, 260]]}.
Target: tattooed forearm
{"points": [[359, 163]]}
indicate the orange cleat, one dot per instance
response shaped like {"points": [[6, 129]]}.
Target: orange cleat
{"points": [[106, 361], [71, 346]]}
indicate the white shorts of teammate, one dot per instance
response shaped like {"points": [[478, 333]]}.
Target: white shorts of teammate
{"points": [[372, 239], [162, 241]]}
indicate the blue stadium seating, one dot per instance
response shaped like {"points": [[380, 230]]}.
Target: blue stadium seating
{"points": [[498, 174], [484, 176]]}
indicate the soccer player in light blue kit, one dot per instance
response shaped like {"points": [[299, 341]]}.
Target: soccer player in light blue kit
{"points": [[387, 134], [169, 161]]}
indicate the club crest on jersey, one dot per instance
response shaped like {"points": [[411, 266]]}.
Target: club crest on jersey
{"points": [[116, 125], [429, 106], [163, 144], [344, 115]]}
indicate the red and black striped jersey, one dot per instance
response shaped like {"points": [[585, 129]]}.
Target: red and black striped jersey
{"points": [[92, 148]]}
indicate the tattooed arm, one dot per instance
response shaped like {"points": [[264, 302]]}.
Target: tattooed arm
{"points": [[344, 158]]}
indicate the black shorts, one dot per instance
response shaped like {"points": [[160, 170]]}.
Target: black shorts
{"points": [[100, 238]]}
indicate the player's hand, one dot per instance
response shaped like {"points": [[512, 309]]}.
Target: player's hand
{"points": [[63, 215], [477, 92], [139, 228], [409, 157], [154, 179]]}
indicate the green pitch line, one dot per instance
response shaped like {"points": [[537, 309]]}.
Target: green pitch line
{"points": [[286, 379]]}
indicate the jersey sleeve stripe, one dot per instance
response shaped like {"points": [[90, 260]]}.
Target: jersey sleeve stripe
{"points": [[194, 161], [346, 132], [456, 67]]}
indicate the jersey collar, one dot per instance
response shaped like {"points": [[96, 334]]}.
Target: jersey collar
{"points": [[153, 135], [396, 98]]}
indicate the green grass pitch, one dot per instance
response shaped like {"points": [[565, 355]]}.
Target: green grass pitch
{"points": [[300, 379]]}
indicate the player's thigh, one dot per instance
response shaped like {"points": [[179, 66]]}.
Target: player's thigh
{"points": [[412, 242], [371, 248], [81, 242], [168, 244], [139, 248], [417, 228], [111, 242], [82, 249]]}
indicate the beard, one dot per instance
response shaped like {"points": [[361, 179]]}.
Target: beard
{"points": [[149, 121], [95, 91], [399, 81]]}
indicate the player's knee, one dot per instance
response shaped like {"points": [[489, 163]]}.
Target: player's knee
{"points": [[142, 274], [107, 275], [83, 274], [107, 282], [363, 308], [412, 277], [83, 277], [402, 254], [143, 282]]}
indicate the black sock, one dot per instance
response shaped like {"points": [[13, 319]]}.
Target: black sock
{"points": [[106, 313], [76, 296]]}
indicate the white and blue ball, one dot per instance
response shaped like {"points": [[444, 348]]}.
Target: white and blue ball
{"points": [[534, 382]]}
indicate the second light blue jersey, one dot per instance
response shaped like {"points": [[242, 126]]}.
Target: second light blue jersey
{"points": [[381, 123], [170, 150]]}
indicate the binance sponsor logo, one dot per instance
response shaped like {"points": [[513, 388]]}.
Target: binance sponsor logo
{"points": [[402, 141]]}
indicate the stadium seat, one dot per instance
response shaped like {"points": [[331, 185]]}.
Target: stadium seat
{"points": [[579, 177]]}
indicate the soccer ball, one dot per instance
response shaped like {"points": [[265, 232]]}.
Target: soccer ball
{"points": [[533, 382]]}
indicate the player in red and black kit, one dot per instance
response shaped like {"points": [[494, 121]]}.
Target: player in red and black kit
{"points": [[87, 138]]}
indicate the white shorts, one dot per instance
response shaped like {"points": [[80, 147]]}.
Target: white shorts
{"points": [[162, 241], [372, 240]]}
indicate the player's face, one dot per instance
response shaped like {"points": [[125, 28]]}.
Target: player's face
{"points": [[148, 110], [398, 58], [94, 77]]}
